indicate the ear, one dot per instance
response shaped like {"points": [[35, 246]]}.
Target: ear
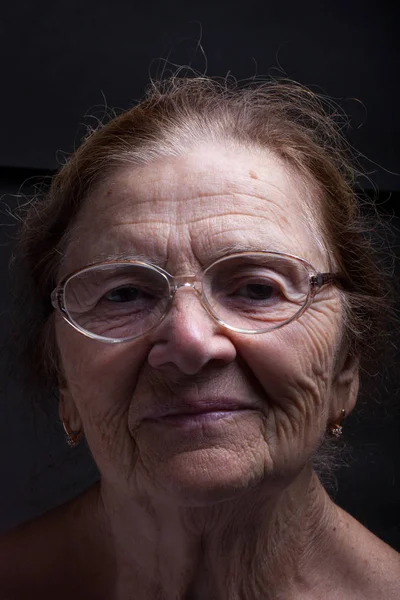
{"points": [[345, 385], [67, 409]]}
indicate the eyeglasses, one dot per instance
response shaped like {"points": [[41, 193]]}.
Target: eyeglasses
{"points": [[247, 292]]}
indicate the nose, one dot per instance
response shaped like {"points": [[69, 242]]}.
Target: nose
{"points": [[188, 338]]}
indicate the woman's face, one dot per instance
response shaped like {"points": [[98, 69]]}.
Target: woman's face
{"points": [[181, 213]]}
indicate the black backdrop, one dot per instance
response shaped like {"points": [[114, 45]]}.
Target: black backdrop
{"points": [[60, 64]]}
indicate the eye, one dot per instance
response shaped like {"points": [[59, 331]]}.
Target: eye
{"points": [[125, 294], [256, 291]]}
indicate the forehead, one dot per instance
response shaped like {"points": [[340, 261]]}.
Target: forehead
{"points": [[191, 209]]}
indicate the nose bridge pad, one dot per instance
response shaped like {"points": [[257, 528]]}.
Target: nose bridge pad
{"points": [[193, 283], [187, 283]]}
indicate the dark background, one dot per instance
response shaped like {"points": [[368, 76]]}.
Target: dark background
{"points": [[61, 63]]}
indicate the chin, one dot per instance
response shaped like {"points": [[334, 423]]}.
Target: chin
{"points": [[201, 478]]}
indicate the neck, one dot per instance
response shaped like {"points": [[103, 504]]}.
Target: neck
{"points": [[255, 546]]}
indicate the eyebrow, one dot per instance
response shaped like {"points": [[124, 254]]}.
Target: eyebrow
{"points": [[215, 255]]}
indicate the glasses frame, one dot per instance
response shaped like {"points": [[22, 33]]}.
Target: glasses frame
{"points": [[317, 279]]}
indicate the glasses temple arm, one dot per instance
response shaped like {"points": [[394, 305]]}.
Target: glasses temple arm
{"points": [[56, 299], [321, 279]]}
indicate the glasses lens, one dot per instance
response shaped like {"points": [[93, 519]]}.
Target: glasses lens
{"points": [[116, 301], [256, 292]]}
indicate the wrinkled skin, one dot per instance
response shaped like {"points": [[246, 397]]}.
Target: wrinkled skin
{"points": [[168, 494]]}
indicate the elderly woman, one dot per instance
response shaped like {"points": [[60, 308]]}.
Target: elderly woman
{"points": [[201, 298]]}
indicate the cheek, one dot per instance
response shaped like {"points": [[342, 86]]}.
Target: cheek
{"points": [[100, 377], [294, 366]]}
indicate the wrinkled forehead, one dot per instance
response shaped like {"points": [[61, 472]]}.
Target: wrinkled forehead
{"points": [[212, 199]]}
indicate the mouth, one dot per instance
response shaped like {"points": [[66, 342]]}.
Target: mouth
{"points": [[198, 418], [200, 412]]}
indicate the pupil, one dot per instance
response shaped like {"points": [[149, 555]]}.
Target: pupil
{"points": [[257, 291], [126, 294]]}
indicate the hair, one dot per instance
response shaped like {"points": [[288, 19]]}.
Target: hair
{"points": [[301, 127]]}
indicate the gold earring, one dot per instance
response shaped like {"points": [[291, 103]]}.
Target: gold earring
{"points": [[73, 437], [336, 429]]}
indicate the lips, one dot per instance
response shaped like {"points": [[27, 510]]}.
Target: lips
{"points": [[198, 407]]}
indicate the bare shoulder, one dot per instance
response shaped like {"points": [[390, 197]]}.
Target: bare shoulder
{"points": [[56, 551], [375, 566]]}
